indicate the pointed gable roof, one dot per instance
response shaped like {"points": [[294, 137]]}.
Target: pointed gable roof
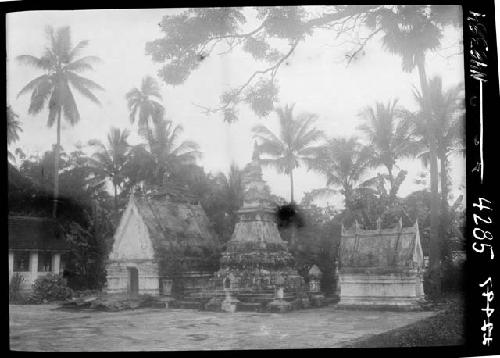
{"points": [[171, 221], [381, 248]]}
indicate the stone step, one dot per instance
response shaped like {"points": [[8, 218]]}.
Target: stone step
{"points": [[249, 307], [185, 304]]}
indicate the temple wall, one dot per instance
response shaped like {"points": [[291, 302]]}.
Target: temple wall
{"points": [[132, 238], [381, 289], [118, 278]]}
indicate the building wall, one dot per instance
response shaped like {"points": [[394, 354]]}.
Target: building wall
{"points": [[131, 241], [396, 289], [132, 248], [118, 278], [30, 276]]}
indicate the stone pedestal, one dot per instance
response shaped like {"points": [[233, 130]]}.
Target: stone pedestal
{"points": [[279, 305], [229, 304], [317, 299], [398, 290]]}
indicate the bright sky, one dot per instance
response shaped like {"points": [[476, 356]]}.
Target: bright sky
{"points": [[316, 79]]}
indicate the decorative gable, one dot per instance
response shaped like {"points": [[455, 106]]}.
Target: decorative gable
{"points": [[132, 240]]}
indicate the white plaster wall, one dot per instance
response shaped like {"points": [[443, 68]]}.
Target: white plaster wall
{"points": [[118, 277], [29, 277], [395, 289], [132, 240]]}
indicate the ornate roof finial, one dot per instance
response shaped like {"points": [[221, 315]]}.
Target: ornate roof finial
{"points": [[255, 154]]}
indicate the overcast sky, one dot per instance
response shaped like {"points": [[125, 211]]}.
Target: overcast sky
{"points": [[317, 80]]}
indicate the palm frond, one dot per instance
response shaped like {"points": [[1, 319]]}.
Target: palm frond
{"points": [[33, 61], [82, 64], [39, 96], [69, 107], [33, 84], [77, 49], [84, 86]]}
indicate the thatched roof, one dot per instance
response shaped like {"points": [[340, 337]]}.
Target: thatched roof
{"points": [[174, 222], [397, 247]]}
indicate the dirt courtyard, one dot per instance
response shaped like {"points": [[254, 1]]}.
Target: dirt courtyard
{"points": [[47, 328]]}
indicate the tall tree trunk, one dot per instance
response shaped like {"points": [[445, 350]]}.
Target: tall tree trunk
{"points": [[435, 246], [444, 183], [56, 165], [444, 198], [116, 201], [391, 181], [293, 236]]}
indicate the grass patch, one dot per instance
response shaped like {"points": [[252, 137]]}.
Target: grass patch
{"points": [[444, 329]]}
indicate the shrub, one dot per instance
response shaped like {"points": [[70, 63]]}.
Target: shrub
{"points": [[49, 288], [15, 283], [453, 277]]}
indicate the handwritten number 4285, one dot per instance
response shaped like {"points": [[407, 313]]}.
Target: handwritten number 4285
{"points": [[480, 234]]}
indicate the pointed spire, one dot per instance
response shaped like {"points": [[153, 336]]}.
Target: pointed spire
{"points": [[255, 154]]}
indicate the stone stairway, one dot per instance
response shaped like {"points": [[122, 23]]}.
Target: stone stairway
{"points": [[247, 301]]}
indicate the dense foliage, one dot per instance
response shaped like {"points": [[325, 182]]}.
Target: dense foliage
{"points": [[50, 288]]}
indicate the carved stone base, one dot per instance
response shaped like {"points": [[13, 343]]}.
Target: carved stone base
{"points": [[397, 290], [279, 305], [229, 304]]}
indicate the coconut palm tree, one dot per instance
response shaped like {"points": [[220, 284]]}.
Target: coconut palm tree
{"points": [[295, 144], [13, 129], [389, 131], [109, 160], [410, 31], [61, 65], [343, 161], [168, 154], [144, 104], [447, 110]]}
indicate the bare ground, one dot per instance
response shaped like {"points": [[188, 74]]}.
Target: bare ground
{"points": [[47, 328]]}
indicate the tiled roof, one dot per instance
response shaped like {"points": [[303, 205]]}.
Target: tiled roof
{"points": [[35, 233], [382, 248]]}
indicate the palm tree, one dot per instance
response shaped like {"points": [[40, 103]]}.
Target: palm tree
{"points": [[54, 88], [232, 187], [343, 161], [13, 129], [167, 153], [143, 103], [228, 195], [293, 145], [389, 131], [109, 160], [410, 31], [447, 109]]}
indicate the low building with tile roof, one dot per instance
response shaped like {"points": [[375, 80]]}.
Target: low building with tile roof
{"points": [[36, 247]]}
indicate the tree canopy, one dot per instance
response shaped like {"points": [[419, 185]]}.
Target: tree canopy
{"points": [[271, 36]]}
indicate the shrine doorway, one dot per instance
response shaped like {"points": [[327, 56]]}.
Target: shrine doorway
{"points": [[133, 281]]}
